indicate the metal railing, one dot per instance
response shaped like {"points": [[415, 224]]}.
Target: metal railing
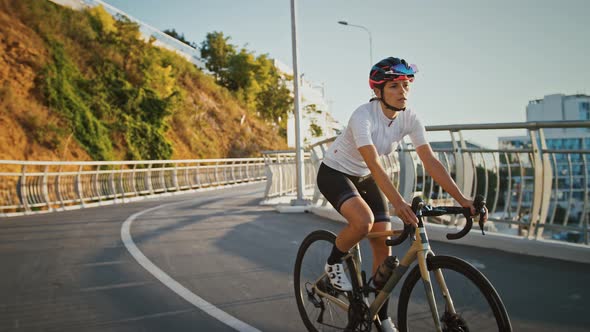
{"points": [[28, 187], [530, 190], [281, 173]]}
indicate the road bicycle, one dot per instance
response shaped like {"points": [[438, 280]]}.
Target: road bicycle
{"points": [[455, 297]]}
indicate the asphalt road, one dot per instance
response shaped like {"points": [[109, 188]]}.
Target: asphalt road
{"points": [[71, 271]]}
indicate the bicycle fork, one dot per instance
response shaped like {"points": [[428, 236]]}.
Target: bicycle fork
{"points": [[422, 256]]}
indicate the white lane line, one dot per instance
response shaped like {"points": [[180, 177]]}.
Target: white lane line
{"points": [[173, 284]]}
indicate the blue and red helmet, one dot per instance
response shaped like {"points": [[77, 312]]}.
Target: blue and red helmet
{"points": [[391, 69]]}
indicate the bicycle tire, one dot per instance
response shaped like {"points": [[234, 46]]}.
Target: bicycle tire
{"points": [[336, 318], [471, 316]]}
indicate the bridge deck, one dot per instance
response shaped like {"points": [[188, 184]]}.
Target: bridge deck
{"points": [[71, 270]]}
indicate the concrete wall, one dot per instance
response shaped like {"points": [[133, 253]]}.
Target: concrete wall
{"points": [[541, 248]]}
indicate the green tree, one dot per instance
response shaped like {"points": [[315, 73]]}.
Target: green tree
{"points": [[254, 80], [217, 52], [275, 101], [316, 131], [241, 78]]}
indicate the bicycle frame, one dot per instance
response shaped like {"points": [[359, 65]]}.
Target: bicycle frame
{"points": [[419, 250]]}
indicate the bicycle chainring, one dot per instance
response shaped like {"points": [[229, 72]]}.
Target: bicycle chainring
{"points": [[359, 319]]}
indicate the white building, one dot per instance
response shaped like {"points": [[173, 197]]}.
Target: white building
{"points": [[316, 121], [571, 170], [557, 107]]}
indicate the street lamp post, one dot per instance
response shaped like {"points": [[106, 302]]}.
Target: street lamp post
{"points": [[299, 166], [370, 39]]}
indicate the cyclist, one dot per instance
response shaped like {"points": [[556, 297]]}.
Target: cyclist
{"points": [[354, 182]]}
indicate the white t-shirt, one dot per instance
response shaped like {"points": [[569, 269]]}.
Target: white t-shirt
{"points": [[369, 126]]}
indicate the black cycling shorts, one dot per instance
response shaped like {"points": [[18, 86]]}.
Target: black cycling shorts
{"points": [[338, 187]]}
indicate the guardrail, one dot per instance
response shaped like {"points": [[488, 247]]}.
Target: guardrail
{"points": [[531, 191], [281, 173], [30, 187]]}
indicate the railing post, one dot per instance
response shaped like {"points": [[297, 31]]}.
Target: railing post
{"points": [[23, 192], [58, 189], [467, 177], [122, 182], [223, 169], [269, 181], [497, 195], [197, 172], [79, 191], [162, 177], [585, 207], [241, 170], [316, 164], [148, 174], [175, 177], [112, 184], [522, 174], [97, 187], [134, 182], [187, 177], [459, 179], [407, 174], [546, 189], [45, 188], [280, 173], [555, 190], [508, 198], [248, 171], [215, 175], [534, 231]]}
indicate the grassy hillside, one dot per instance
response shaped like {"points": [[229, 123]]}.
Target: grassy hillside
{"points": [[84, 86]]}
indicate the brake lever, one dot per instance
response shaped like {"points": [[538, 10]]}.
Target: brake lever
{"points": [[480, 221], [479, 202], [417, 206]]}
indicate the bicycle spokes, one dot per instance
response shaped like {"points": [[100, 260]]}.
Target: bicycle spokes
{"points": [[322, 307], [476, 304]]}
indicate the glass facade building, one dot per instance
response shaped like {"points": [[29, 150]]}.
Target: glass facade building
{"points": [[571, 174]]}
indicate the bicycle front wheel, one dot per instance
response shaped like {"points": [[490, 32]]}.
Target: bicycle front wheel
{"points": [[477, 305], [321, 307]]}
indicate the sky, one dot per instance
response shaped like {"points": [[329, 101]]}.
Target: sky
{"points": [[479, 61]]}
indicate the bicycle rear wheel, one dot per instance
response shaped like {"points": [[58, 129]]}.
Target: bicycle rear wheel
{"points": [[477, 305], [318, 312]]}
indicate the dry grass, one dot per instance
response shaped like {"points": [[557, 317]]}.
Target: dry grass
{"points": [[22, 111], [205, 123]]}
